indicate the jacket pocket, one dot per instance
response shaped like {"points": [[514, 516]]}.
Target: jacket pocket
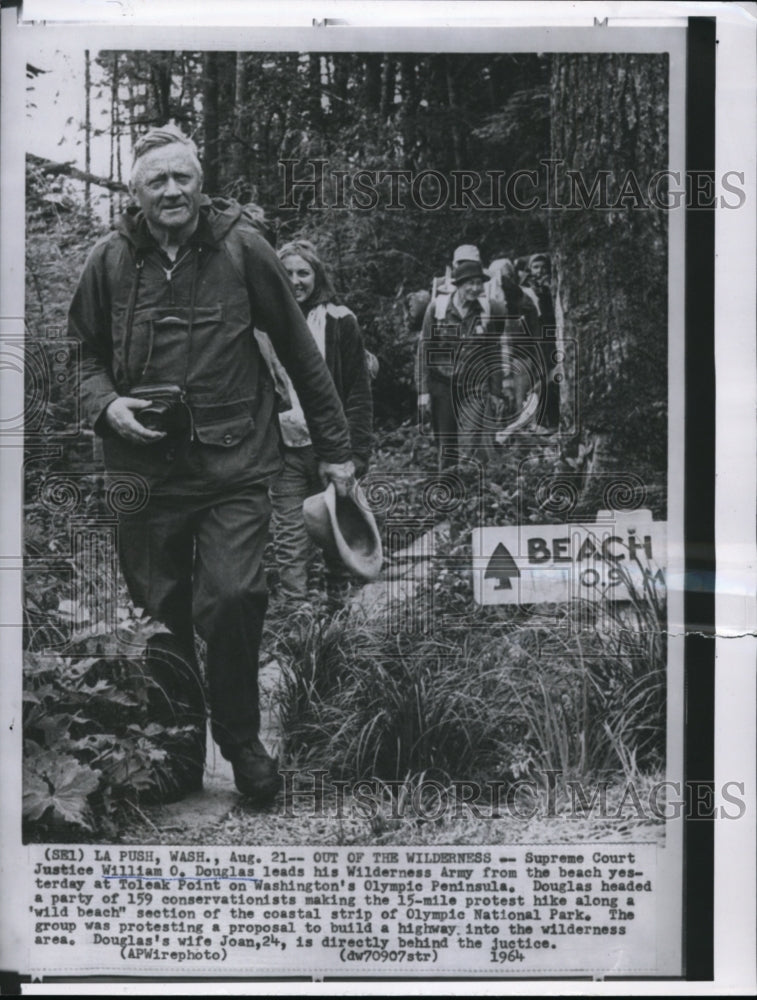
{"points": [[159, 347], [225, 433]]}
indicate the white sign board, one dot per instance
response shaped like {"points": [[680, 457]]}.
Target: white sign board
{"points": [[619, 557]]}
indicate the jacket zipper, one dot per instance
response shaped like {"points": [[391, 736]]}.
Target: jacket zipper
{"points": [[168, 271], [169, 279]]}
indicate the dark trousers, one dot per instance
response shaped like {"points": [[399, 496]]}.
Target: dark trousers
{"points": [[461, 424], [198, 562], [444, 424], [296, 555]]}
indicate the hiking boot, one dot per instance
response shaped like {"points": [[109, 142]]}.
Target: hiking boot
{"points": [[255, 773]]}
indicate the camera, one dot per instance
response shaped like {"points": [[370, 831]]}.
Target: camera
{"points": [[168, 411]]}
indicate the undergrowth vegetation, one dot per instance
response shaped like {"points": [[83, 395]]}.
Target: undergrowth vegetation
{"points": [[468, 692], [419, 684], [502, 701], [89, 746]]}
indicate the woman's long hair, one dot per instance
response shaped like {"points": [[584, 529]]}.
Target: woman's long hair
{"points": [[323, 290]]}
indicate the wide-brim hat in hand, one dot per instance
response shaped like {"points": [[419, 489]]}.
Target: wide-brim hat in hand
{"points": [[345, 529]]}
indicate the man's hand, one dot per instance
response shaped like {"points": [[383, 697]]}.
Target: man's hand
{"points": [[424, 405], [120, 418], [341, 474]]}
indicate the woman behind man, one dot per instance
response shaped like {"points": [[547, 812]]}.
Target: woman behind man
{"points": [[337, 335]]}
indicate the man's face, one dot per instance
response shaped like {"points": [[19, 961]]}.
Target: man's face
{"points": [[168, 187], [470, 290], [538, 270]]}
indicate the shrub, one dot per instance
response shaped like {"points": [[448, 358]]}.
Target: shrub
{"points": [[504, 692], [365, 704], [90, 750]]}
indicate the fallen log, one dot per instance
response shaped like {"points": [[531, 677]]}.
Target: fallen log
{"points": [[69, 170]]}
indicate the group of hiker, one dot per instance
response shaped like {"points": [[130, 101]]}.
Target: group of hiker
{"points": [[486, 354]]}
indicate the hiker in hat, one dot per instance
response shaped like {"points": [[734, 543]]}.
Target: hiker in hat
{"points": [[336, 333], [460, 361], [174, 382]]}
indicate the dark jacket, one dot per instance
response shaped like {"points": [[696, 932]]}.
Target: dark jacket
{"points": [[345, 359], [453, 345], [141, 320]]}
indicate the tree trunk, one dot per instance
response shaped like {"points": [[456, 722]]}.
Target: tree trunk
{"points": [[387, 88], [160, 88], [132, 111], [455, 117], [188, 75], [610, 113], [409, 108], [340, 83], [210, 109], [112, 137], [116, 128], [87, 126], [314, 88], [372, 87], [239, 152]]}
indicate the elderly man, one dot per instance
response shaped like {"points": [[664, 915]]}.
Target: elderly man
{"points": [[174, 383], [460, 361]]}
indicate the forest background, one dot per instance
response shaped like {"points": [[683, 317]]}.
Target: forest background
{"points": [[249, 112]]}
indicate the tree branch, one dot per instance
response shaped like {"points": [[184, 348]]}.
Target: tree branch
{"points": [[69, 170]]}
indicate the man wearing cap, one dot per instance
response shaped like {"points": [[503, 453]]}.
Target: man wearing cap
{"points": [[174, 383], [459, 360]]}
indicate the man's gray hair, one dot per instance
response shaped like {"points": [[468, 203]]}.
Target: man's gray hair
{"points": [[166, 135]]}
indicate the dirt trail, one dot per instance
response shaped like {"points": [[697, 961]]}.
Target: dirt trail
{"points": [[219, 795]]}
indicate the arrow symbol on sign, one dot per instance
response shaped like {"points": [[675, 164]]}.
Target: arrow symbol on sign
{"points": [[502, 567]]}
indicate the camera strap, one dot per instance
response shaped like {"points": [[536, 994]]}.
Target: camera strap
{"points": [[190, 325], [139, 263]]}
